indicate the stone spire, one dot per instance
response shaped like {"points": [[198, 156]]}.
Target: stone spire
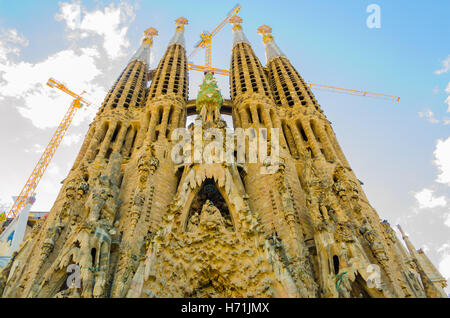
{"points": [[143, 53], [238, 34], [178, 37], [408, 243], [247, 74], [171, 76], [272, 50], [430, 288]]}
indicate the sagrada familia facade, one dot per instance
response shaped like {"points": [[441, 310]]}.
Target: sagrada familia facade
{"points": [[131, 222]]}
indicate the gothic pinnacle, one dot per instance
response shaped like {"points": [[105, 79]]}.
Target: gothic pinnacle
{"points": [[272, 50], [178, 37], [238, 34], [143, 53]]}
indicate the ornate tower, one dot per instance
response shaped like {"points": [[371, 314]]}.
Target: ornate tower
{"points": [[131, 220], [273, 196], [150, 174], [349, 241]]}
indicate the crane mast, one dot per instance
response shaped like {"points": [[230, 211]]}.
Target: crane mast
{"points": [[38, 171], [205, 42]]}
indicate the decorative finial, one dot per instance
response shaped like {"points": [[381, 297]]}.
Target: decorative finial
{"points": [[181, 22], [238, 34], [266, 32], [178, 37], [236, 21], [143, 53], [149, 34], [272, 50]]}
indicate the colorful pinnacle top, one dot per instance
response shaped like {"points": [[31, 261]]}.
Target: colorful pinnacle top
{"points": [[272, 50], [209, 94], [143, 53], [178, 37], [149, 34], [238, 34], [236, 21]]}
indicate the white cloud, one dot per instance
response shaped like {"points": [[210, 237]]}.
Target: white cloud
{"points": [[445, 66], [429, 116], [70, 140], [54, 170], [442, 160], [10, 42], [36, 148], [111, 24], [82, 68], [45, 106], [98, 43], [447, 220], [444, 264], [447, 101], [50, 184], [427, 200], [5, 205], [70, 13]]}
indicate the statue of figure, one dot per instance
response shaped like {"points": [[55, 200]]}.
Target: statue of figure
{"points": [[210, 216], [290, 213], [154, 163], [366, 232], [98, 197], [339, 189], [71, 188], [389, 231], [147, 163], [372, 238], [275, 240], [342, 186], [193, 222], [343, 233], [136, 209], [413, 275], [83, 188], [52, 236], [102, 200]]}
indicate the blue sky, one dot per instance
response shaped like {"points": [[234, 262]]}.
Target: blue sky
{"points": [[401, 151]]}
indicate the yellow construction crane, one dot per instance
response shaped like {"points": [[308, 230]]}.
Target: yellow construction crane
{"points": [[352, 92], [205, 43], [33, 181]]}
